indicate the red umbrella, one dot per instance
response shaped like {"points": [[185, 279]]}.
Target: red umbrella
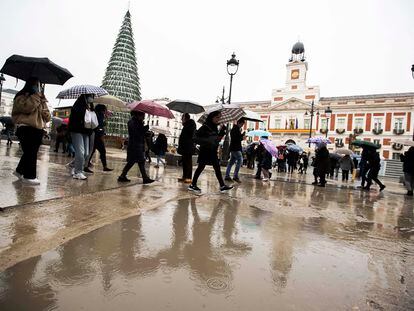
{"points": [[151, 107], [65, 120]]}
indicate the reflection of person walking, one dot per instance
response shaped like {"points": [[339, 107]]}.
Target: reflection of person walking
{"points": [[136, 147], [30, 113], [208, 137], [408, 168], [236, 156], [186, 147], [374, 163]]}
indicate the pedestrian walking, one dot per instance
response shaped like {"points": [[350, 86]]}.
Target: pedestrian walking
{"points": [[363, 166], [292, 159], [408, 168], [81, 125], [160, 148], [30, 113], [346, 164], [266, 163], [236, 157], [149, 140], [259, 159], [322, 163], [250, 154], [136, 147], [374, 163], [186, 147], [99, 142], [9, 132], [61, 131], [208, 137]]}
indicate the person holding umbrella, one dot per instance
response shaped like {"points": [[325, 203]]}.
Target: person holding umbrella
{"points": [[322, 163], [208, 137], [236, 137], [346, 165], [99, 143], [81, 128], [160, 148], [136, 147], [374, 163], [186, 147], [30, 113]]}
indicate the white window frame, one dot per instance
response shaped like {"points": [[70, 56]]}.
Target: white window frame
{"points": [[381, 122], [343, 127], [306, 123], [355, 123], [402, 123], [280, 123], [324, 123]]}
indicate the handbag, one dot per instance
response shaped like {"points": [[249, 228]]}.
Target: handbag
{"points": [[91, 120]]}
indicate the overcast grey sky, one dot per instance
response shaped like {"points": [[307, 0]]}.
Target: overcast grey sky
{"points": [[353, 47]]}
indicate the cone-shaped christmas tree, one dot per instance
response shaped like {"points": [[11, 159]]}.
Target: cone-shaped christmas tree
{"points": [[121, 76]]}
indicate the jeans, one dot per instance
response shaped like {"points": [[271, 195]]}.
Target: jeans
{"points": [[30, 141], [159, 160], [81, 144], [235, 157]]}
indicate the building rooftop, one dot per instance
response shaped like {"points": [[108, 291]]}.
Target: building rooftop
{"points": [[372, 96], [10, 91]]}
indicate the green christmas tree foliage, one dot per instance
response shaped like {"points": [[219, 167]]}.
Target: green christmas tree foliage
{"points": [[121, 76]]}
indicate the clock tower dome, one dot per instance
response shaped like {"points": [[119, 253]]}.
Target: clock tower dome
{"points": [[297, 68]]}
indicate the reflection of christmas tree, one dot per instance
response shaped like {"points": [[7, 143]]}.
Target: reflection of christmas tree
{"points": [[121, 76]]}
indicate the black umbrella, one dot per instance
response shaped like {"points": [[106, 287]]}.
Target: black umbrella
{"points": [[22, 67]]}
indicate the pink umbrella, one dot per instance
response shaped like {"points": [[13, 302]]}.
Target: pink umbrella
{"points": [[151, 107], [270, 147]]}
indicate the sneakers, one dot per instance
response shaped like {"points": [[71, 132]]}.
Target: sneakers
{"points": [[265, 180], [123, 179], [18, 175], [107, 169], [194, 189], [228, 179], [225, 188], [88, 170], [382, 187], [237, 179], [79, 176], [33, 181], [147, 181]]}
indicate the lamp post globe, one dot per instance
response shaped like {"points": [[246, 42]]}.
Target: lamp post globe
{"points": [[412, 70]]}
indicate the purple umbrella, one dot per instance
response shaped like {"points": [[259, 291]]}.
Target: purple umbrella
{"points": [[270, 147]]}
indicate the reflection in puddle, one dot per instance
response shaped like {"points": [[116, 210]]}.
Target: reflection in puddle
{"points": [[218, 253]]}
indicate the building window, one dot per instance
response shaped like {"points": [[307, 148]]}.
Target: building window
{"points": [[377, 141], [156, 123], [278, 123], [168, 123], [359, 123], [341, 123], [152, 122], [396, 156], [377, 124], [398, 123], [306, 124], [263, 125]]}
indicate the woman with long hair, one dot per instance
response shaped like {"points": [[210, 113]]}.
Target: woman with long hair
{"points": [[208, 137], [30, 113]]}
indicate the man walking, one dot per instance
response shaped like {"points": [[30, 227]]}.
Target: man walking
{"points": [[236, 156]]}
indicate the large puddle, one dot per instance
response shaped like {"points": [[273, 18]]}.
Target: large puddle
{"points": [[222, 253]]}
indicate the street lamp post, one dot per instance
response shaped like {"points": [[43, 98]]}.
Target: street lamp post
{"points": [[328, 113], [2, 79], [232, 68], [311, 113]]}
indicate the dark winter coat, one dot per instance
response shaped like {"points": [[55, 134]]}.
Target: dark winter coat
{"points": [[100, 130], [77, 117], [322, 162], [236, 138], [208, 137], [346, 163], [136, 140], [185, 142], [408, 159], [160, 145], [266, 162]]}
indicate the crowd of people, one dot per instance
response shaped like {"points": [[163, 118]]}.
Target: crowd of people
{"points": [[85, 131]]}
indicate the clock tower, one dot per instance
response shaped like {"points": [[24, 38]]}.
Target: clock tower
{"points": [[296, 68]]}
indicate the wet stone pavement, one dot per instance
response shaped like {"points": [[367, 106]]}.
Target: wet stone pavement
{"points": [[285, 245]]}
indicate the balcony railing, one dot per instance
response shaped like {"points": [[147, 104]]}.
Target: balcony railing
{"points": [[291, 131], [339, 144], [323, 131], [398, 131], [358, 130], [340, 131], [396, 146], [377, 131]]}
